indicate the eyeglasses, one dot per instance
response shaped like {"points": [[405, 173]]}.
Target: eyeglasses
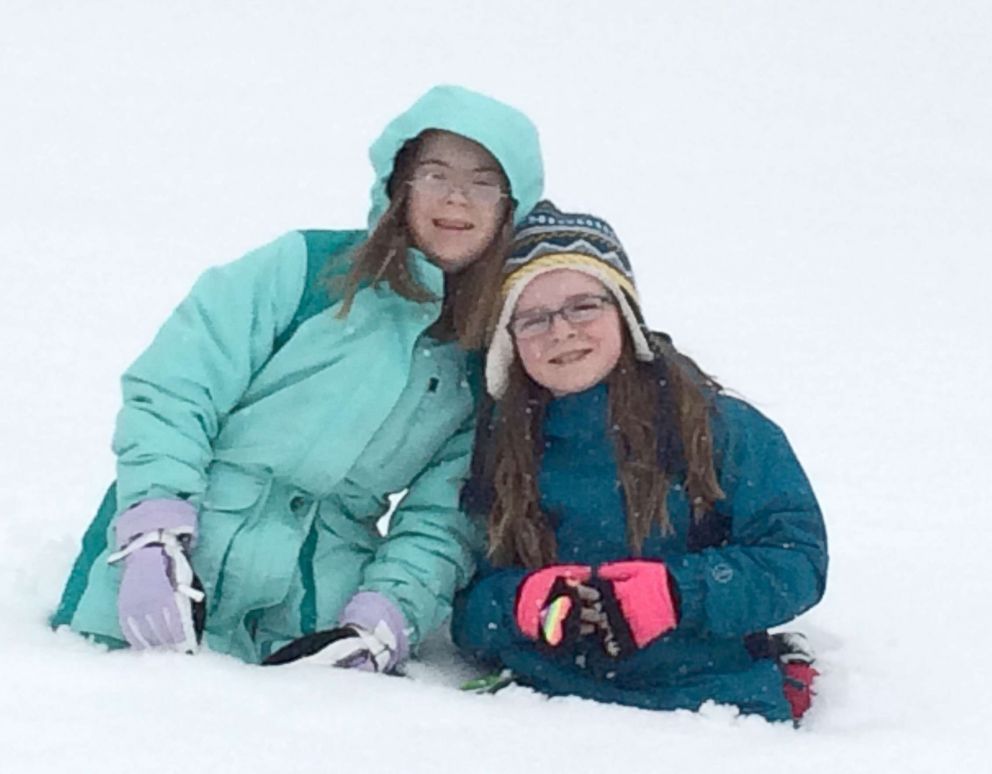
{"points": [[437, 182], [579, 310]]}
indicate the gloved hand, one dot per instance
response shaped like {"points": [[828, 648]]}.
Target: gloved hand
{"points": [[372, 637], [645, 595], [548, 607], [160, 602], [349, 647], [602, 618]]}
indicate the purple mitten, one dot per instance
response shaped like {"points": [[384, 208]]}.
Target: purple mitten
{"points": [[374, 613], [160, 601]]}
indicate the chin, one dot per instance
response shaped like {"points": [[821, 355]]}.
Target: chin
{"points": [[569, 388], [452, 263]]}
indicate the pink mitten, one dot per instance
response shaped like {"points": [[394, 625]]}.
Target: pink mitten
{"points": [[641, 588], [534, 590]]}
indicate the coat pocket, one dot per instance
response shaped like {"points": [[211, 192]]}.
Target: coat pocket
{"points": [[233, 499], [232, 489]]}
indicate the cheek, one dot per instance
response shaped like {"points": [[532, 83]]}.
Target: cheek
{"points": [[417, 218], [491, 219], [488, 223]]}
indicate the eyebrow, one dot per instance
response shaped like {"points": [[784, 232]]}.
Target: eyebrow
{"points": [[439, 162]]}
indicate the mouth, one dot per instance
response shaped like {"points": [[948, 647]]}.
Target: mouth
{"points": [[450, 224], [572, 356]]}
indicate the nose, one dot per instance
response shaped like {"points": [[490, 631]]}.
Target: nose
{"points": [[457, 193], [561, 328]]}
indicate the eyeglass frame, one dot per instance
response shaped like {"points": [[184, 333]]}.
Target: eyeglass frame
{"points": [[550, 315], [468, 188]]}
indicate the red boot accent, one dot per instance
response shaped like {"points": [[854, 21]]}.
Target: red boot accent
{"points": [[798, 686]]}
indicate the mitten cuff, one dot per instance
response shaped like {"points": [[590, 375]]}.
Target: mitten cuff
{"points": [[370, 609], [151, 515]]}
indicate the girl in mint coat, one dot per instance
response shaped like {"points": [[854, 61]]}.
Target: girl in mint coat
{"points": [[291, 393]]}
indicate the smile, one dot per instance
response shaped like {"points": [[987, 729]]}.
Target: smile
{"points": [[452, 225], [567, 358]]}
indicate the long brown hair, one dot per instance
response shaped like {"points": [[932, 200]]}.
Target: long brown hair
{"points": [[659, 413], [469, 302]]}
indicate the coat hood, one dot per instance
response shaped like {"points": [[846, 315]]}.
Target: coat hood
{"points": [[504, 131]]}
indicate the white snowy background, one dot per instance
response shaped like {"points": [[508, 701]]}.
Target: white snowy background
{"points": [[806, 191]]}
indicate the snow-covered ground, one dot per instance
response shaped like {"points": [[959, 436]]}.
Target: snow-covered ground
{"points": [[806, 191]]}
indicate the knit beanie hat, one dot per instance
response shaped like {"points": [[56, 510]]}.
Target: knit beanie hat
{"points": [[548, 240]]}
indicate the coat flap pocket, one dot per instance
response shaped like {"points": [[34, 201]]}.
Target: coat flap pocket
{"points": [[232, 489]]}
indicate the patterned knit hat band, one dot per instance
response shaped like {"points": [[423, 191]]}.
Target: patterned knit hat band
{"points": [[547, 230], [557, 260], [533, 242]]}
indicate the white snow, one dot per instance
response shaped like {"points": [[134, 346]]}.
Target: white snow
{"points": [[806, 192]]}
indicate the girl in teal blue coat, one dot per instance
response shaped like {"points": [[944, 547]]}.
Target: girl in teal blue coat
{"points": [[292, 392], [645, 529]]}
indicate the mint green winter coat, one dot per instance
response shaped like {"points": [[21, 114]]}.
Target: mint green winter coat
{"points": [[288, 427]]}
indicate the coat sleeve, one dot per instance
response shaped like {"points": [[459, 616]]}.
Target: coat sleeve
{"points": [[427, 554], [178, 391], [774, 564], [482, 622]]}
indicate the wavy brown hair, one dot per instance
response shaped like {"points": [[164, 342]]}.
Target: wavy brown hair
{"points": [[469, 301], [659, 413]]}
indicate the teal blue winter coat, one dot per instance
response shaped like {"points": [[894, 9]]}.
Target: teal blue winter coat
{"points": [[289, 427], [758, 560]]}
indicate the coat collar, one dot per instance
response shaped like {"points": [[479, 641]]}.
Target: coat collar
{"points": [[581, 415]]}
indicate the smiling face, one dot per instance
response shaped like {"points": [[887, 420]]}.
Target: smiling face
{"points": [[456, 201], [568, 357]]}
